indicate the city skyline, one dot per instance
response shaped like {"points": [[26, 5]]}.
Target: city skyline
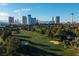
{"points": [[42, 11]]}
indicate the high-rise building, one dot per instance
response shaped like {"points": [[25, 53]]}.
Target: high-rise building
{"points": [[17, 21], [53, 20], [11, 20], [34, 21], [29, 19], [24, 18], [57, 19]]}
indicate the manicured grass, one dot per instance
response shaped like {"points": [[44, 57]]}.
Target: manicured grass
{"points": [[42, 42]]}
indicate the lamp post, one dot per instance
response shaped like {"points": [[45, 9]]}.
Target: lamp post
{"points": [[72, 17]]}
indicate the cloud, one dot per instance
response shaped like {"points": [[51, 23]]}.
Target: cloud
{"points": [[22, 10], [3, 4], [4, 14]]}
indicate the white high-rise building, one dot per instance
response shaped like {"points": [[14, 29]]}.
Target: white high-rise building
{"points": [[17, 21], [29, 19], [24, 19], [53, 20]]}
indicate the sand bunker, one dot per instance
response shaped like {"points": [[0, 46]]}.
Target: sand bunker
{"points": [[55, 42]]}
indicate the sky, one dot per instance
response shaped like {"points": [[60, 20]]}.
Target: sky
{"points": [[42, 11]]}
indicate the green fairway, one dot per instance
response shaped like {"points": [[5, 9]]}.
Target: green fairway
{"points": [[41, 41]]}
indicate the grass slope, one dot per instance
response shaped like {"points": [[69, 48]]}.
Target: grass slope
{"points": [[42, 42]]}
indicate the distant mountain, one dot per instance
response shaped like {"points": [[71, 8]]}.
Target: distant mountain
{"points": [[43, 22]]}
